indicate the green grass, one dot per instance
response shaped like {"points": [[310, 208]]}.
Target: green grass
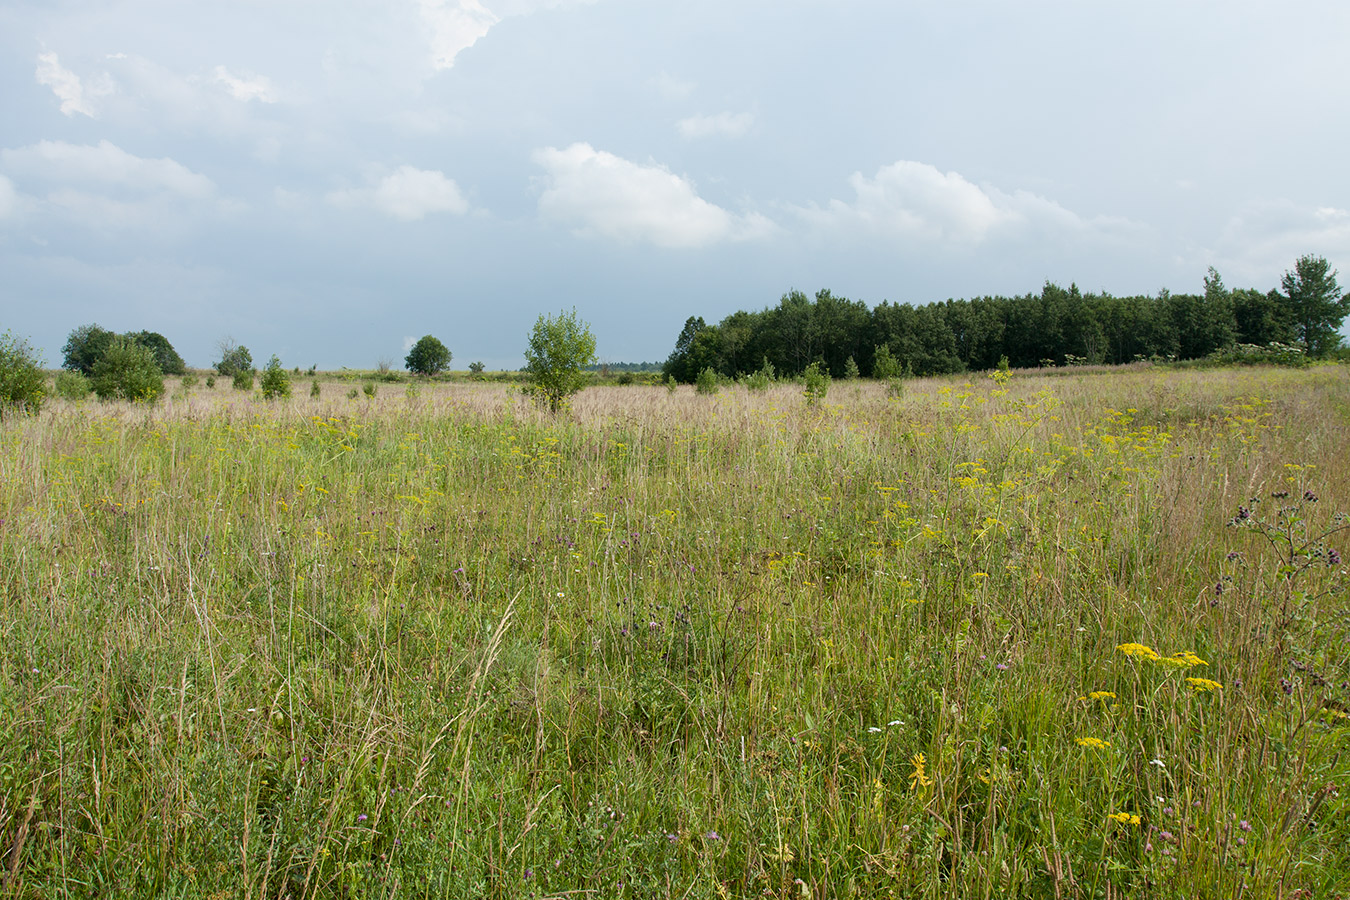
{"points": [[441, 644]]}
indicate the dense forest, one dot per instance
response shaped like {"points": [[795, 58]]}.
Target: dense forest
{"points": [[1058, 326]]}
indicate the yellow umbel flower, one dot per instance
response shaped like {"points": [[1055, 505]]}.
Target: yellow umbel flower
{"points": [[1094, 743], [1183, 659], [1124, 818], [1201, 685], [1140, 650], [1102, 695]]}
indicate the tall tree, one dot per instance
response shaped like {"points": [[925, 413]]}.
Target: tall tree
{"points": [[85, 346], [1315, 304]]}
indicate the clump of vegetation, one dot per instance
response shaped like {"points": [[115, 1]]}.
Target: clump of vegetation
{"points": [[816, 383], [22, 383], [235, 360], [242, 380], [73, 386], [706, 383], [276, 382], [760, 379], [314, 390], [188, 382], [428, 357], [560, 347], [128, 371], [210, 381], [369, 388]]}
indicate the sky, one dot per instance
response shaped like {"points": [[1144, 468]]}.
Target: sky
{"points": [[328, 180]]}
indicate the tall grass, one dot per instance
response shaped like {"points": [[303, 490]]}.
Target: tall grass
{"points": [[444, 644]]}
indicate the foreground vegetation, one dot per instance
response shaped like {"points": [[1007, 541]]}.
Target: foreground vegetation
{"points": [[1082, 636]]}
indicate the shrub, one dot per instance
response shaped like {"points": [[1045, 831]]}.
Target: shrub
{"points": [[817, 382], [476, 368], [22, 383], [560, 348], [706, 383], [884, 365], [428, 357], [671, 384], [276, 382], [128, 371], [369, 388], [234, 359], [242, 381], [314, 388], [189, 382], [73, 386], [760, 381], [851, 372], [210, 381], [353, 394]]}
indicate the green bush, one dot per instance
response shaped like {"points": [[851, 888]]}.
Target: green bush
{"points": [[189, 382], [276, 381], [314, 388], [243, 380], [884, 365], [706, 383], [234, 359], [760, 381], [560, 348], [851, 372], [427, 357], [73, 386], [817, 382], [369, 388], [210, 381], [22, 383], [128, 371]]}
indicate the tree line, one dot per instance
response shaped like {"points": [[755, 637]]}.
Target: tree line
{"points": [[1058, 326]]}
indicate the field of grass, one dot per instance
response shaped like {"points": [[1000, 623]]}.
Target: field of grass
{"points": [[1079, 636]]}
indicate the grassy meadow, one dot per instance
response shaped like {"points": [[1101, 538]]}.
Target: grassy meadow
{"points": [[1074, 636]]}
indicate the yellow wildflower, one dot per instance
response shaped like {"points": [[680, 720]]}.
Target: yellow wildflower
{"points": [[918, 778], [1203, 684], [1183, 659], [1102, 695], [1124, 818], [1094, 743], [1139, 650]]}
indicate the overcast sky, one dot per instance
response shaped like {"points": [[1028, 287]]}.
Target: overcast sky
{"points": [[328, 179]]}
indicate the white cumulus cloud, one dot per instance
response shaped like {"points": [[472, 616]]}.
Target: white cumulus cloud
{"points": [[407, 193], [725, 124], [9, 198], [454, 25], [598, 193], [105, 165], [75, 97], [247, 86], [916, 202]]}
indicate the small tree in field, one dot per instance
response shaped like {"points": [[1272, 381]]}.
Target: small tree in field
{"points": [[234, 360], [427, 357], [22, 384], [276, 382], [560, 348], [128, 371]]}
